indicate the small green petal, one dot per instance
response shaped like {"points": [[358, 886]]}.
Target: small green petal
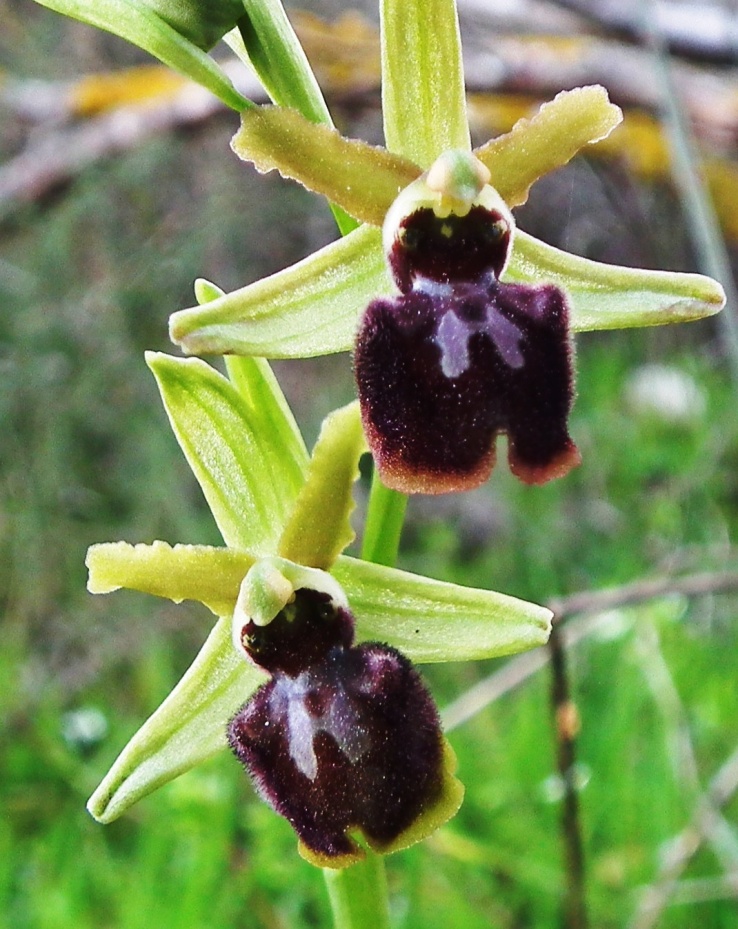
{"points": [[433, 621], [240, 468], [610, 297], [137, 24], [363, 179], [319, 527], [423, 98], [188, 728], [311, 308], [548, 140], [181, 572]]}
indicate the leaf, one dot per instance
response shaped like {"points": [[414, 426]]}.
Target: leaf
{"points": [[364, 179], [548, 140], [243, 472], [606, 296], [182, 572], [432, 621], [274, 52], [137, 24], [189, 727], [311, 308], [319, 527], [278, 59], [423, 99]]}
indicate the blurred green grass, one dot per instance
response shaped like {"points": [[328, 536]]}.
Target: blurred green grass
{"points": [[86, 456]]}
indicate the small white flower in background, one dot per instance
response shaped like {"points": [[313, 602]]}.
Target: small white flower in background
{"points": [[666, 393], [84, 727]]}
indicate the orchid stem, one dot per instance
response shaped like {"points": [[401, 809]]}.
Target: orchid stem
{"points": [[383, 527], [358, 894]]}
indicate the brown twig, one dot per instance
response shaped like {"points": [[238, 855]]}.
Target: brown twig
{"points": [[566, 727], [593, 604]]}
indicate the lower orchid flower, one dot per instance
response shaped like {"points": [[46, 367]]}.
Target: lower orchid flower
{"points": [[308, 671]]}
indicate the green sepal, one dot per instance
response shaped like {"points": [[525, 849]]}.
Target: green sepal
{"points": [[547, 140], [137, 23], [311, 308], [242, 470], [423, 97], [180, 572], [606, 296], [364, 179], [432, 621], [189, 727], [319, 527]]}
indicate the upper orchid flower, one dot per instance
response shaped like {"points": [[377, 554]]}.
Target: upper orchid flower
{"points": [[475, 350], [334, 729]]}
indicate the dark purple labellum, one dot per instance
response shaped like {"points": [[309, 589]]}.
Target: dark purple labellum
{"points": [[345, 738], [460, 357]]}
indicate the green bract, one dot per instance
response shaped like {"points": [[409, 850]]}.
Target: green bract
{"points": [[268, 499]]}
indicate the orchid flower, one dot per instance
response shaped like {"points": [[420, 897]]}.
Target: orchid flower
{"points": [[285, 520]]}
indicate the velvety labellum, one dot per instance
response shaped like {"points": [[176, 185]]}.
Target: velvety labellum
{"points": [[460, 357], [342, 738]]}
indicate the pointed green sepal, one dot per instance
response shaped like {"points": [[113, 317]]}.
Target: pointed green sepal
{"points": [[606, 296], [319, 527], [363, 179], [311, 308], [432, 621], [423, 98], [188, 728], [181, 572], [239, 466], [548, 140], [141, 24]]}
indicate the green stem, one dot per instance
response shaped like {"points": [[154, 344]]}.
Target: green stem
{"points": [[383, 526], [358, 894]]}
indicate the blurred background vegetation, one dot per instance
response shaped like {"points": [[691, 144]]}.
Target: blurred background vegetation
{"points": [[90, 269]]}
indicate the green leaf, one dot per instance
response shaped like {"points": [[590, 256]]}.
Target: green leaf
{"points": [[311, 308], [137, 24], [241, 469], [182, 572], [432, 621], [319, 527], [363, 179], [274, 52], [423, 99], [201, 23], [610, 297], [547, 140], [188, 728]]}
